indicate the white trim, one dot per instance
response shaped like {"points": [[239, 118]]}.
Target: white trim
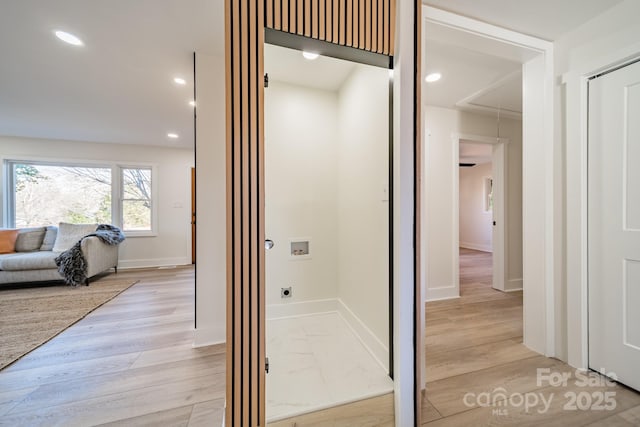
{"points": [[476, 247], [301, 308], [493, 32], [539, 315], [444, 298], [576, 83], [499, 243], [455, 222], [153, 262], [405, 288], [513, 285], [445, 292], [371, 342], [204, 337]]}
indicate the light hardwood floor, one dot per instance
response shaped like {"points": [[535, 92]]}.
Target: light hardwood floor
{"points": [[129, 363], [474, 345]]}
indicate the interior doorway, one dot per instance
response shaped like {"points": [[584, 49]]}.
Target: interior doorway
{"points": [[475, 213], [327, 215], [482, 209], [533, 58]]}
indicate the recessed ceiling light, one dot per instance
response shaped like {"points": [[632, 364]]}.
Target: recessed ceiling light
{"points": [[180, 81], [433, 77], [69, 38], [192, 103], [172, 135], [310, 55]]}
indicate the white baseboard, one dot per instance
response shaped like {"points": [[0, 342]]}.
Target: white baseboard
{"points": [[204, 337], [154, 262], [371, 342], [476, 247], [513, 285], [303, 308], [437, 294]]}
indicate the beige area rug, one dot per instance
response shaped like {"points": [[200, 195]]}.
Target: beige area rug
{"points": [[31, 316]]}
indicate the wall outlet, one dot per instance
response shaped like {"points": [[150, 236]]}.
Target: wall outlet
{"points": [[285, 292]]}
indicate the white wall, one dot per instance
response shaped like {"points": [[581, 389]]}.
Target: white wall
{"points": [[326, 171], [211, 207], [440, 168], [475, 222], [363, 198], [172, 245], [604, 42], [301, 169]]}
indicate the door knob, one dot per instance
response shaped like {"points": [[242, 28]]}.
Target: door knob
{"points": [[268, 244]]}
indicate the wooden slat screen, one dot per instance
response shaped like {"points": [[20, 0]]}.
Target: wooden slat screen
{"points": [[363, 24], [244, 40]]}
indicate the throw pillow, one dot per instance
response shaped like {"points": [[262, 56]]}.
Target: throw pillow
{"points": [[70, 234], [49, 238], [29, 239], [8, 241]]}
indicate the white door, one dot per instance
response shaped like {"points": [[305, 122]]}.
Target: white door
{"points": [[614, 224]]}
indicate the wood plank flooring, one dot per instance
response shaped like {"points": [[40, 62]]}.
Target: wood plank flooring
{"points": [[129, 363], [474, 346]]}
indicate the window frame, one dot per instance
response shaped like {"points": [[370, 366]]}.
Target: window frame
{"points": [[117, 189]]}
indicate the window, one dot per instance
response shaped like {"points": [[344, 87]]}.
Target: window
{"points": [[40, 193], [136, 199]]}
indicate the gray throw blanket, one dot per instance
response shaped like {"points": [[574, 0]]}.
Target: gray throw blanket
{"points": [[71, 263]]}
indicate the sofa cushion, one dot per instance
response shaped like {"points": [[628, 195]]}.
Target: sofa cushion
{"points": [[49, 238], [40, 260], [30, 239], [70, 234], [5, 256], [8, 241]]}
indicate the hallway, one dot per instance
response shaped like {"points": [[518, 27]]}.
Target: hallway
{"points": [[474, 350]]}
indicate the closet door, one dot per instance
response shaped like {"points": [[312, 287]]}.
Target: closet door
{"points": [[614, 224]]}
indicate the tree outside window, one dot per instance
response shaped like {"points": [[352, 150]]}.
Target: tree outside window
{"points": [[46, 194]]}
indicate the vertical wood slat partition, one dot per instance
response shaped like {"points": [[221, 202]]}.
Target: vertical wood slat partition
{"points": [[244, 38], [363, 24]]}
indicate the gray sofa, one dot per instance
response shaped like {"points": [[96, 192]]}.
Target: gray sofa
{"points": [[36, 250]]}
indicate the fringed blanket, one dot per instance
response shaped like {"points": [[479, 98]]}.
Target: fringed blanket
{"points": [[71, 263]]}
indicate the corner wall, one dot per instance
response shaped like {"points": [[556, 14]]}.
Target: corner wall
{"points": [[211, 199], [301, 168], [363, 205]]}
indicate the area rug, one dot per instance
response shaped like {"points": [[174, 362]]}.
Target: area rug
{"points": [[31, 316]]}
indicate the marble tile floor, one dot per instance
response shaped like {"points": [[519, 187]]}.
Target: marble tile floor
{"points": [[316, 362]]}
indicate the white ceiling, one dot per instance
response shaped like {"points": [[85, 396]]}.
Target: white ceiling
{"points": [[466, 75], [119, 86], [483, 75], [288, 65], [546, 19]]}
